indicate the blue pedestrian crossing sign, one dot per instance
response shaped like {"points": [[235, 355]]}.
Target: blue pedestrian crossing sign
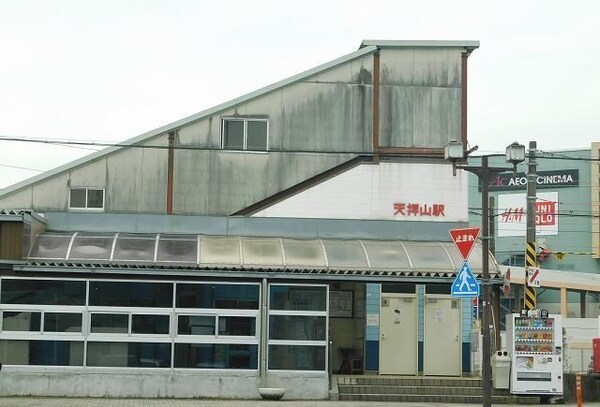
{"points": [[465, 284]]}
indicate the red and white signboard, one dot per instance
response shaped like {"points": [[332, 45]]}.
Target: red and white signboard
{"points": [[533, 276], [512, 214], [464, 239]]}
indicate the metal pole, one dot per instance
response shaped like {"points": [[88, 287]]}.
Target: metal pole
{"points": [[497, 291], [486, 354], [264, 315], [529, 297]]}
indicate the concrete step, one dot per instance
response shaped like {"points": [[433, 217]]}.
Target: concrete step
{"points": [[397, 389], [410, 381], [422, 390], [429, 398]]}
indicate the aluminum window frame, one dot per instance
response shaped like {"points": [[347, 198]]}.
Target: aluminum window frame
{"points": [[291, 342], [85, 336], [245, 120], [86, 208]]}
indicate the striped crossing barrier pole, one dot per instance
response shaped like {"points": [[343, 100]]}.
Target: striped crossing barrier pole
{"points": [[529, 297], [578, 389]]}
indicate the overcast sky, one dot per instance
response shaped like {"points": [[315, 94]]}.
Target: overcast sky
{"points": [[109, 70]]}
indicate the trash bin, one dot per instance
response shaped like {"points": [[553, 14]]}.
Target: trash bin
{"points": [[501, 370]]}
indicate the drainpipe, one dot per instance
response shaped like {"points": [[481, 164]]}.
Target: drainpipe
{"points": [[376, 85], [170, 160], [463, 106]]}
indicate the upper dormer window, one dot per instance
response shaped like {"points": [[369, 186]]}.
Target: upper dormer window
{"points": [[245, 134], [86, 198]]}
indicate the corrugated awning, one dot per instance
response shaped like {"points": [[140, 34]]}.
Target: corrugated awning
{"points": [[357, 257]]}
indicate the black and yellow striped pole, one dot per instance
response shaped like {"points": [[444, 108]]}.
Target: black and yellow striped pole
{"points": [[530, 260], [529, 298]]}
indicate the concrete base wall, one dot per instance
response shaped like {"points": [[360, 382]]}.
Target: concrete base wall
{"points": [[169, 384]]}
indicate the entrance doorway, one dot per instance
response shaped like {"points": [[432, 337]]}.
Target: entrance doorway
{"points": [[442, 353], [398, 350]]}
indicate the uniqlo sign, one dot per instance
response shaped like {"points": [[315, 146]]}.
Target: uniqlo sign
{"points": [[464, 239], [512, 214]]}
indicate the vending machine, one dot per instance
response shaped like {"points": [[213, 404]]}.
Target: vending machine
{"points": [[535, 347]]}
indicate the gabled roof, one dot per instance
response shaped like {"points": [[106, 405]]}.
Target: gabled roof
{"points": [[367, 47], [190, 119]]}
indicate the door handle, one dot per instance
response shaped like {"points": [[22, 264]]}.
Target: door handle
{"points": [[382, 335]]}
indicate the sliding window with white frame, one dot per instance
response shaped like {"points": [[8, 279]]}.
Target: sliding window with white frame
{"points": [[129, 323], [297, 327]]}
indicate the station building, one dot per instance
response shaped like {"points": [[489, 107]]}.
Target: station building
{"points": [[293, 233]]}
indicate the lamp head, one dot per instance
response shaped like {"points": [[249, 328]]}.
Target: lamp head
{"points": [[515, 154], [454, 151]]}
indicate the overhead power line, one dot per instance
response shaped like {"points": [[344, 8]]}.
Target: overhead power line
{"points": [[81, 143], [21, 168]]}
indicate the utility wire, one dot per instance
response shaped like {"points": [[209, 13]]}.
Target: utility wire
{"points": [[21, 168], [75, 142]]}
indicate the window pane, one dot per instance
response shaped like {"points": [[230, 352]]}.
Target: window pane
{"points": [[284, 357], [91, 247], [234, 134], [386, 255], [220, 250], [77, 198], [62, 322], [216, 356], [150, 324], [297, 298], [345, 254], [303, 253], [177, 250], [135, 248], [196, 325], [124, 354], [50, 246], [237, 326], [262, 251], [223, 296], [131, 294], [21, 321], [424, 255], [43, 292], [41, 353], [110, 323], [257, 135], [298, 328], [95, 198]]}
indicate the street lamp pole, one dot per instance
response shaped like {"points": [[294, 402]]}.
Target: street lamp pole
{"points": [[515, 153], [483, 173], [486, 373]]}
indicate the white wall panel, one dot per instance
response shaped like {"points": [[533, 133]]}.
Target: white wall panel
{"points": [[385, 191]]}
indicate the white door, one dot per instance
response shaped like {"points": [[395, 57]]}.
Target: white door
{"points": [[398, 334], [442, 348]]}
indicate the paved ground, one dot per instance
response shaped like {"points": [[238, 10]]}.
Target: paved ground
{"points": [[94, 402]]}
